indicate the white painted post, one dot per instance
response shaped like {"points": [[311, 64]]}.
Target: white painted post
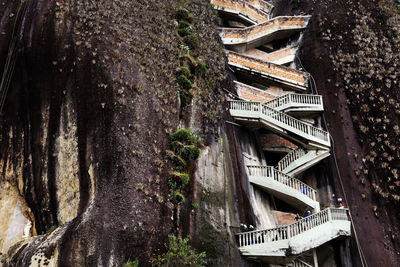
{"points": [[329, 215], [315, 257], [288, 232]]}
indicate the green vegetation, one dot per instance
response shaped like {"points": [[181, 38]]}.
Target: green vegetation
{"points": [[184, 70], [188, 73], [185, 147], [178, 161], [185, 144], [195, 205], [179, 253], [184, 82], [130, 263], [181, 178], [177, 197], [185, 136], [202, 66], [184, 28], [192, 40]]}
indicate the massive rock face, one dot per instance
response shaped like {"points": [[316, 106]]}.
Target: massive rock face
{"points": [[351, 50], [85, 126], [84, 130]]}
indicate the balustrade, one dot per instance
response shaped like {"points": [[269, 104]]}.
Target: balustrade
{"points": [[275, 24], [244, 8], [272, 173], [271, 115], [289, 231], [290, 158], [292, 99], [276, 70]]}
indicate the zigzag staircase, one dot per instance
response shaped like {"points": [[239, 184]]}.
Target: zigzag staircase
{"points": [[242, 39], [257, 115], [299, 160], [282, 56], [242, 9], [283, 186], [293, 104], [272, 245], [272, 102], [264, 70]]}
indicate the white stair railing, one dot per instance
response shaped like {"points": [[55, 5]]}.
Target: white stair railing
{"points": [[281, 54], [242, 7], [290, 157], [292, 99], [241, 35], [292, 230], [256, 109], [250, 93], [274, 70], [272, 173], [261, 4]]}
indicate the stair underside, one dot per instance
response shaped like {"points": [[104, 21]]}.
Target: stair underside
{"points": [[305, 162], [242, 45], [255, 124], [289, 195], [284, 251]]}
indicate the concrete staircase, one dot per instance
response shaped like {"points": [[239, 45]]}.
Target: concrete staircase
{"points": [[247, 92], [260, 115], [281, 57], [262, 5], [242, 9], [293, 104], [274, 106], [264, 70], [273, 245], [284, 187], [242, 39], [299, 160]]}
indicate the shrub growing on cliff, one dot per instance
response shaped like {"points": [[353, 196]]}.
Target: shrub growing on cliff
{"points": [[185, 144], [185, 136], [182, 178], [184, 70], [185, 147], [191, 152], [192, 40], [184, 28], [179, 253], [184, 82], [177, 160]]}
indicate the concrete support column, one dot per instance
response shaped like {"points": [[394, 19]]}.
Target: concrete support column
{"points": [[315, 257]]}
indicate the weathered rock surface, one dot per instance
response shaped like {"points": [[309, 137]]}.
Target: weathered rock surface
{"points": [[91, 102]]}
